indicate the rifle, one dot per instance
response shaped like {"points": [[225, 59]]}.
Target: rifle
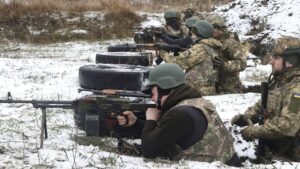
{"points": [[104, 105], [139, 47], [264, 99], [146, 35], [149, 34]]}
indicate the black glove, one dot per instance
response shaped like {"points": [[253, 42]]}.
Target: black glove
{"points": [[240, 120], [249, 133], [218, 63], [157, 33]]}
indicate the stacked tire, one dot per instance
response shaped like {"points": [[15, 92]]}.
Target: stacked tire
{"points": [[113, 70]]}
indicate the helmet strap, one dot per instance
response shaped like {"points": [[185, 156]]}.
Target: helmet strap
{"points": [[160, 93], [158, 106]]}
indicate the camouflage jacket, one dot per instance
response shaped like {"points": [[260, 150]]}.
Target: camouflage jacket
{"points": [[181, 33], [235, 60], [282, 119], [197, 61], [217, 143]]}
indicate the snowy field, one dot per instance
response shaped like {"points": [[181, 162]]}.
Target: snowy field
{"points": [[51, 73]]}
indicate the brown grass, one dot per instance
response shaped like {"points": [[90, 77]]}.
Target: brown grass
{"points": [[17, 17], [18, 7]]}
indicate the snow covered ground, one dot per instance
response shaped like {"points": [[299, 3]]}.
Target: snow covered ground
{"points": [[51, 72], [275, 18]]}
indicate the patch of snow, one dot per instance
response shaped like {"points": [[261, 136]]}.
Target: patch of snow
{"points": [[79, 31], [152, 20], [280, 17]]}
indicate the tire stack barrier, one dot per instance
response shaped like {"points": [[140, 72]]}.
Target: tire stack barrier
{"points": [[113, 70]]}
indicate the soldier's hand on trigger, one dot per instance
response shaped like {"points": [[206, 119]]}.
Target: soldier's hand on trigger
{"points": [[152, 114], [157, 32], [241, 120], [126, 119], [218, 63]]}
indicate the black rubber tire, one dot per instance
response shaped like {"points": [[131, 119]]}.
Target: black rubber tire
{"points": [[110, 76], [127, 47], [130, 58]]}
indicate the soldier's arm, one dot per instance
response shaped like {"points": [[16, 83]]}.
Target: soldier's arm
{"points": [[184, 30], [188, 58], [287, 123], [253, 112], [236, 55], [159, 137]]}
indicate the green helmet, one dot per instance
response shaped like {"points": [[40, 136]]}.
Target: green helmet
{"points": [[166, 76], [292, 55], [203, 28], [188, 12], [216, 21], [283, 43], [172, 14], [190, 21]]}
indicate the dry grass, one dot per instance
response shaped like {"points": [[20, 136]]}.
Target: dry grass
{"points": [[20, 17], [17, 8]]}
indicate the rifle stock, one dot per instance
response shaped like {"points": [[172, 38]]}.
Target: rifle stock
{"points": [[264, 99]]}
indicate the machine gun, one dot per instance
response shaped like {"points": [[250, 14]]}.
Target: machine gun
{"points": [[127, 47], [102, 105], [140, 47], [145, 35]]}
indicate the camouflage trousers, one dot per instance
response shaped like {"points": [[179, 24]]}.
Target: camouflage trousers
{"points": [[230, 86], [286, 149], [206, 89]]}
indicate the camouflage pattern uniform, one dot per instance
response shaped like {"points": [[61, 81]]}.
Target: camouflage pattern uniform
{"points": [[181, 33], [235, 60], [217, 143], [233, 56], [197, 61], [281, 128]]}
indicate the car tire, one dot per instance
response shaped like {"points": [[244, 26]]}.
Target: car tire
{"points": [[127, 47], [130, 58], [110, 76]]}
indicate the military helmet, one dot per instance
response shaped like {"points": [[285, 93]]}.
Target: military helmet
{"points": [[172, 14], [190, 21], [292, 55], [283, 43], [166, 76], [287, 47], [189, 12], [217, 21], [203, 28]]}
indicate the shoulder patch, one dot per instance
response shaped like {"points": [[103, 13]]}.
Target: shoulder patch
{"points": [[296, 95], [294, 104]]}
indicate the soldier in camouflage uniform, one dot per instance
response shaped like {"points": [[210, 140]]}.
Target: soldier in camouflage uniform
{"points": [[184, 125], [174, 27], [198, 60], [232, 59], [281, 126]]}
